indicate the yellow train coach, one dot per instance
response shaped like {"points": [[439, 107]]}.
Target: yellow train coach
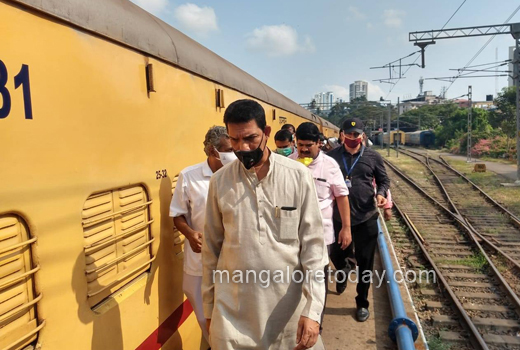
{"points": [[101, 106], [394, 137]]}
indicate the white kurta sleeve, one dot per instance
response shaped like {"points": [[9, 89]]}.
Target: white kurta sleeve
{"points": [[180, 201], [211, 244], [313, 252]]}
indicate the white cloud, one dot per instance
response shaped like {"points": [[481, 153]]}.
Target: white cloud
{"points": [[152, 6], [338, 91], [370, 25], [195, 19], [374, 92], [357, 14], [278, 40], [393, 18]]}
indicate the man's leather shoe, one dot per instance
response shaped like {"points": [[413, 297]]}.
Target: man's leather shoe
{"points": [[341, 286], [362, 314]]}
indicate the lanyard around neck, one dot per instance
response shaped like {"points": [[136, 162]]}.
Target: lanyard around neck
{"points": [[349, 171]]}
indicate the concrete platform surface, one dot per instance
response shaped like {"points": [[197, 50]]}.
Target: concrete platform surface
{"points": [[342, 331]]}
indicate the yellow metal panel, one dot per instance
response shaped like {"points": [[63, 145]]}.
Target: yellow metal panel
{"points": [[96, 129]]}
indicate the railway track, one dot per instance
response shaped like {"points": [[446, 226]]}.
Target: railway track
{"points": [[485, 306], [497, 227]]}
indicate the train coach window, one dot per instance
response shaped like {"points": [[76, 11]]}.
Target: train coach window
{"points": [[219, 98], [18, 322], [116, 229]]}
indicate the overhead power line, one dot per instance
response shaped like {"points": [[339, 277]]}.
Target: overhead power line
{"points": [[484, 46], [406, 71]]}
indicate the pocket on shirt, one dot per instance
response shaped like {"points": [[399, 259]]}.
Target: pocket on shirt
{"points": [[323, 190], [288, 223]]}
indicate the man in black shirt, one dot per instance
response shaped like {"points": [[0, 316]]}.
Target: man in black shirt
{"points": [[360, 166]]}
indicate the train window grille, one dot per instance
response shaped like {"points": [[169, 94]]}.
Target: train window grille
{"points": [[19, 325], [116, 231]]}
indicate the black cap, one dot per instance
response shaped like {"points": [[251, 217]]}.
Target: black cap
{"points": [[353, 125]]}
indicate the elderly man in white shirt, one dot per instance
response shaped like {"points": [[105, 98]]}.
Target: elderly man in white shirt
{"points": [[262, 217], [188, 207]]}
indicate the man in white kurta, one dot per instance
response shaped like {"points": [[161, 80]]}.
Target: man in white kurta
{"points": [[263, 225]]}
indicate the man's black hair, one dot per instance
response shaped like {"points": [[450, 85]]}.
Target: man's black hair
{"points": [[283, 135], [322, 137], [243, 111], [288, 126], [308, 131]]}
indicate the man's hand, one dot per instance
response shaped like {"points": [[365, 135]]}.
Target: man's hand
{"points": [[344, 237], [195, 239], [307, 334], [381, 201], [387, 214], [208, 324]]}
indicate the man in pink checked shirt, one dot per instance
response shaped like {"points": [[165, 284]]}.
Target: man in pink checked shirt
{"points": [[330, 186]]}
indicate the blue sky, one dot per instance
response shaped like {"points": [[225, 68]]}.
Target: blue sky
{"points": [[303, 47]]}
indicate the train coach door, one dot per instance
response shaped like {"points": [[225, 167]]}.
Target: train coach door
{"points": [[427, 140]]}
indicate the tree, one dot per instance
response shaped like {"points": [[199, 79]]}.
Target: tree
{"points": [[368, 111], [431, 116], [505, 115]]}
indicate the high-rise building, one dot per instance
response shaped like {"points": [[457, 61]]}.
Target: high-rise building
{"points": [[324, 100], [358, 89]]}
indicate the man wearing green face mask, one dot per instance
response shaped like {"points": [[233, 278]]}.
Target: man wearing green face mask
{"points": [[284, 143]]}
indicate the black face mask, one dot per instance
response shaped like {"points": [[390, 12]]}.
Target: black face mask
{"points": [[250, 158]]}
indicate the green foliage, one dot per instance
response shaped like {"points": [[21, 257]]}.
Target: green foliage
{"points": [[493, 132], [436, 343], [431, 116], [368, 111], [505, 115]]}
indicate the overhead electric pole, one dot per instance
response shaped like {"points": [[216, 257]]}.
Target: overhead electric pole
{"points": [[398, 135], [389, 128], [425, 38], [382, 129], [516, 79], [470, 93]]}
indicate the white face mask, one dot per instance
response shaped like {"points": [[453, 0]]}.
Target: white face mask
{"points": [[226, 157]]}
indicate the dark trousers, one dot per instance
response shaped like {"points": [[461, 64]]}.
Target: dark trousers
{"points": [[363, 248], [326, 269]]}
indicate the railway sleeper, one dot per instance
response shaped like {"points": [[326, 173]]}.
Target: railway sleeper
{"points": [[452, 337], [455, 267], [498, 339], [475, 295], [466, 275], [496, 323], [471, 284], [436, 305], [444, 242], [485, 307], [450, 244], [459, 251]]}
